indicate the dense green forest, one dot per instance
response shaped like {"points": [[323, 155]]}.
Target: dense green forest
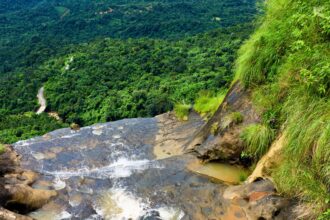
{"points": [[286, 64], [106, 60], [32, 31]]}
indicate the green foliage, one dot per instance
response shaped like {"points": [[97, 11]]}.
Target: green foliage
{"points": [[2, 149], [181, 111], [207, 103], [243, 176], [159, 51], [231, 119], [325, 215], [23, 126], [308, 139], [112, 79], [299, 180], [286, 65], [35, 30], [257, 138], [298, 47]]}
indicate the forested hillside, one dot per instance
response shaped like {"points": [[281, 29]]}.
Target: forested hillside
{"points": [[31, 31], [106, 60], [286, 64]]}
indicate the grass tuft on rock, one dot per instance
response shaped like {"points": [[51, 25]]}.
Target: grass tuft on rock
{"points": [[181, 111], [2, 149], [257, 138], [207, 103], [231, 119]]}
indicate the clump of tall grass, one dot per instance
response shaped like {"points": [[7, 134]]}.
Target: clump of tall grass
{"points": [[325, 215], [301, 181], [305, 170], [257, 138], [286, 65], [2, 149], [181, 111], [207, 103], [243, 176]]}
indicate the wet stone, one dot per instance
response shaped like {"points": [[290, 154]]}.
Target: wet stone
{"points": [[110, 171]]}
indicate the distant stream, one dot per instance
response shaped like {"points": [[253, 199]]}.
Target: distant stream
{"points": [[41, 100]]}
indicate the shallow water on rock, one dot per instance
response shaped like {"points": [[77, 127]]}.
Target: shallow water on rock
{"points": [[224, 172], [108, 171]]}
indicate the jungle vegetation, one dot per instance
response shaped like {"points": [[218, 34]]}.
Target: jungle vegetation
{"points": [[107, 60], [286, 64]]}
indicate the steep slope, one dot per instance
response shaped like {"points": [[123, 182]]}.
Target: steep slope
{"points": [[286, 63]]}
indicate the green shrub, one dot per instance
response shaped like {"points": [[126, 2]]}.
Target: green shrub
{"points": [[325, 215], [232, 118], [181, 111], [207, 103], [257, 138], [243, 176], [2, 148]]}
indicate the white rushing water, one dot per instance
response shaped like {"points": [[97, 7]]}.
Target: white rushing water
{"points": [[123, 167], [98, 172], [119, 204], [41, 100]]}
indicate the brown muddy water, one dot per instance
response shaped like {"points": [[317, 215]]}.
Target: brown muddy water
{"points": [[227, 173]]}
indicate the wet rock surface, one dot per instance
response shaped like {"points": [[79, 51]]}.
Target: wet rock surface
{"points": [[110, 171], [172, 134]]}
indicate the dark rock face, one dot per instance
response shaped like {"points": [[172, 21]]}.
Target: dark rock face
{"points": [[226, 145]]}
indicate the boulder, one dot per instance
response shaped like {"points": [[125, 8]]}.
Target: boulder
{"points": [[256, 201], [25, 195], [8, 215], [16, 192]]}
